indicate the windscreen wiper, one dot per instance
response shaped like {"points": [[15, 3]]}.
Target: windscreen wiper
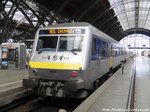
{"points": [[73, 51], [40, 51], [45, 49]]}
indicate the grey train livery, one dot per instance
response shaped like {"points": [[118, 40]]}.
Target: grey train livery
{"points": [[68, 59]]}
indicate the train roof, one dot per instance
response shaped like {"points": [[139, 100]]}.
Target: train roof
{"points": [[75, 24], [85, 24]]}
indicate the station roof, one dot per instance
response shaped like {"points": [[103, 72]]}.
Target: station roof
{"points": [[117, 18]]}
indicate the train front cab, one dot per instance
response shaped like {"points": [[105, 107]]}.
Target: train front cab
{"points": [[57, 69]]}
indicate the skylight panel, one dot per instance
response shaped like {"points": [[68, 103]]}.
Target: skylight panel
{"points": [[141, 24], [8, 6], [126, 10], [18, 16]]}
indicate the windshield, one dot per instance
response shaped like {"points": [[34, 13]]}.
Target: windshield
{"points": [[60, 43], [70, 43]]}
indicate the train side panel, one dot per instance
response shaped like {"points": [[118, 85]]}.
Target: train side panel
{"points": [[98, 60]]}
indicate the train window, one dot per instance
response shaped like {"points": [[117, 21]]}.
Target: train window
{"points": [[47, 43], [118, 51], [94, 46], [122, 52], [104, 50], [70, 43], [111, 51], [114, 52]]}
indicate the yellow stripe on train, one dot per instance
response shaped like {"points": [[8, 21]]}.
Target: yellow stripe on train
{"points": [[52, 65]]}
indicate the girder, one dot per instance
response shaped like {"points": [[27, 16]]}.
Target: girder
{"points": [[100, 13], [33, 18]]}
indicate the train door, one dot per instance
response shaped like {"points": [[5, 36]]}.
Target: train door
{"points": [[16, 57], [13, 57], [4, 59], [111, 57]]}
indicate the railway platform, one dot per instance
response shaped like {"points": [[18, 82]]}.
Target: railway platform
{"points": [[113, 95], [142, 89], [11, 84]]}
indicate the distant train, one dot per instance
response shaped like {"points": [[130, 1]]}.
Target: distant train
{"points": [[146, 53], [67, 60]]}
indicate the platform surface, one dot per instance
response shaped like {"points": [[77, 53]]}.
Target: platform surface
{"points": [[11, 84], [8, 76], [142, 89]]}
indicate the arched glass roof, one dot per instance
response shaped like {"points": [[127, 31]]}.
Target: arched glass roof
{"points": [[132, 13], [136, 40]]}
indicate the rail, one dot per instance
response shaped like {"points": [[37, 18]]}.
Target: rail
{"points": [[131, 94], [16, 103]]}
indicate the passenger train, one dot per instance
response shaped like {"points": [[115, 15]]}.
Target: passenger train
{"points": [[145, 53], [68, 59]]}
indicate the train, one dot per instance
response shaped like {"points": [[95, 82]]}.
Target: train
{"points": [[13, 55], [68, 59], [146, 53]]}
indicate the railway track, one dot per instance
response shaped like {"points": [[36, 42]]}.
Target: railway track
{"points": [[38, 104], [32, 103], [59, 104], [16, 103]]}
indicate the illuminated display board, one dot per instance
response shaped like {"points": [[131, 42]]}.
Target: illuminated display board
{"points": [[62, 31]]}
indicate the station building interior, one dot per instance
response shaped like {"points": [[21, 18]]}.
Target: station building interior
{"points": [[117, 18], [126, 21]]}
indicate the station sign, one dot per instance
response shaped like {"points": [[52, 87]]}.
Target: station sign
{"points": [[62, 31]]}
